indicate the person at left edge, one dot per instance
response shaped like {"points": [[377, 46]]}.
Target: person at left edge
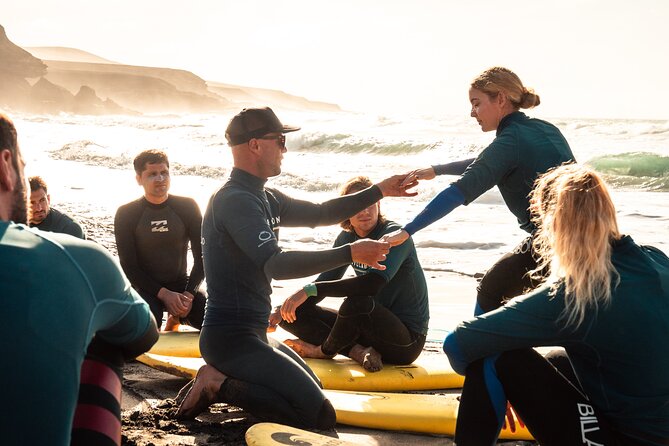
{"points": [[242, 255], [152, 237], [64, 295]]}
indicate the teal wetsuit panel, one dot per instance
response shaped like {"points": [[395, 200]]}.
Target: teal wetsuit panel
{"points": [[405, 293], [620, 353], [58, 292], [523, 149]]}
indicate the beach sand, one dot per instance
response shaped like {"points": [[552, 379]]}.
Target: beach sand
{"points": [[147, 401]]}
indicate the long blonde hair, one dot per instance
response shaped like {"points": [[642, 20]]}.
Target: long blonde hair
{"points": [[576, 223], [499, 79]]}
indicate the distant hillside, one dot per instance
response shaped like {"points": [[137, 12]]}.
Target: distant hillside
{"points": [[145, 89], [252, 96], [75, 81], [64, 54]]}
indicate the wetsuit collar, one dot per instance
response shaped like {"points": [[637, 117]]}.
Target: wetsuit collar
{"points": [[247, 179], [508, 119], [157, 205], [375, 233]]}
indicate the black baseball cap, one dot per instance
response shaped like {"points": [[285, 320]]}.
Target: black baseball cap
{"points": [[254, 123]]}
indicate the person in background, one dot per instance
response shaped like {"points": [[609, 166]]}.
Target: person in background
{"points": [[607, 304], [385, 313], [46, 218], [152, 237], [75, 319], [240, 233], [523, 149]]}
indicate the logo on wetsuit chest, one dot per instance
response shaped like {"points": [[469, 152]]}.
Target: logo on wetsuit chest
{"points": [[159, 226]]}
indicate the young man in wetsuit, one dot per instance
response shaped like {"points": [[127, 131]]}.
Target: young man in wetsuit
{"points": [[65, 295], [152, 237], [46, 218], [241, 257]]}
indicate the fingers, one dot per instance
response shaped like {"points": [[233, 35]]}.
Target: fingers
{"points": [[409, 181]]}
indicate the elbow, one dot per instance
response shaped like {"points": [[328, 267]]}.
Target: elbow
{"points": [[455, 356], [143, 344]]}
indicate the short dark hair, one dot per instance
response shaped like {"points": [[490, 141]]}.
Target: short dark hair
{"points": [[356, 184], [8, 139], [37, 183], [151, 156]]}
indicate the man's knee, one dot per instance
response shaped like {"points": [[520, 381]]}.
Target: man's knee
{"points": [[353, 306], [327, 417]]}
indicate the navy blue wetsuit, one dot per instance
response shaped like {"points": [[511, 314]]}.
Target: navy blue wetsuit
{"points": [[620, 356], [241, 256]]}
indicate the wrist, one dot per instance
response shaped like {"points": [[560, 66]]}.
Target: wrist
{"points": [[310, 289]]}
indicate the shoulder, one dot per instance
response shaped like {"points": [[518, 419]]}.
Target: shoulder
{"points": [[389, 226], [276, 194], [343, 238], [133, 206], [185, 204], [90, 259]]}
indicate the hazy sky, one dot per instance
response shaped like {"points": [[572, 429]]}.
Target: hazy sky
{"points": [[585, 58]]}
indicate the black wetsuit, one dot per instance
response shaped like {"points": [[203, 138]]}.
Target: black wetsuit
{"points": [[152, 242], [385, 309], [57, 221], [241, 256]]}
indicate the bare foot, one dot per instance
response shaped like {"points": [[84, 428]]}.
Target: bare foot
{"points": [[306, 350], [367, 357], [172, 323], [201, 394]]}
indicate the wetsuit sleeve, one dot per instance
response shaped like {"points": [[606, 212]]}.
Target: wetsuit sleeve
{"points": [[491, 166], [294, 264], [122, 317], [73, 228], [366, 285], [193, 221], [242, 215], [529, 321], [454, 168], [304, 213], [337, 273], [125, 222], [441, 205]]}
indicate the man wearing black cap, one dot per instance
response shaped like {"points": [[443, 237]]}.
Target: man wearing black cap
{"points": [[241, 256]]}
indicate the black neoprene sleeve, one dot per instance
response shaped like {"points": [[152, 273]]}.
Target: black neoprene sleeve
{"points": [[294, 264]]}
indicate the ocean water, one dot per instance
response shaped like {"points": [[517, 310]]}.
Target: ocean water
{"points": [[87, 161]]}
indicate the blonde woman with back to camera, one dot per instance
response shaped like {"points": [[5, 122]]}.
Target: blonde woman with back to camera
{"points": [[606, 303]]}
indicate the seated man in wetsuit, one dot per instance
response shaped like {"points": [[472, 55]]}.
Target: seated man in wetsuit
{"points": [[241, 257], [64, 294], [385, 313], [46, 218], [152, 237]]}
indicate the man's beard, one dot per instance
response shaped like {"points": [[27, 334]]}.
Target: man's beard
{"points": [[19, 212]]}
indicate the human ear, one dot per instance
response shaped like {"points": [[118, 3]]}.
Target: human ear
{"points": [[7, 177]]}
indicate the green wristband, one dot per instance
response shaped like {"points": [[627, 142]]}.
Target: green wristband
{"points": [[310, 289]]}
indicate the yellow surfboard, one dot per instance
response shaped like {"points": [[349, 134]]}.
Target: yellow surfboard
{"points": [[272, 434], [428, 372], [424, 413]]}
